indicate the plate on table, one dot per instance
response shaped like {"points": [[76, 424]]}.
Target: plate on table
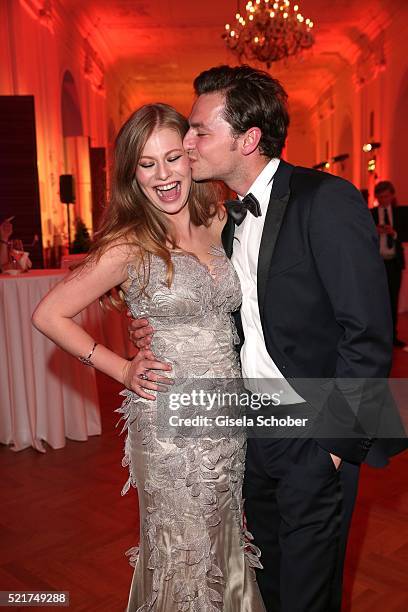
{"points": [[12, 272]]}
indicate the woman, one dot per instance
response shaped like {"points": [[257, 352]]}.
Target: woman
{"points": [[160, 242]]}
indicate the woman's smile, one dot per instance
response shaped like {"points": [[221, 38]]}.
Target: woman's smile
{"points": [[163, 171]]}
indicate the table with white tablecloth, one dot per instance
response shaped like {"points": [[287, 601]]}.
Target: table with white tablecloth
{"points": [[46, 394]]}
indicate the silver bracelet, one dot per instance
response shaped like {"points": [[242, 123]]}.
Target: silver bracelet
{"points": [[87, 360]]}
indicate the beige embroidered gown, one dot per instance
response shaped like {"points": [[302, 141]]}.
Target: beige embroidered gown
{"points": [[194, 553]]}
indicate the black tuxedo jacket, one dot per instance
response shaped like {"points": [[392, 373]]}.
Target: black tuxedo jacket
{"points": [[322, 295], [399, 250]]}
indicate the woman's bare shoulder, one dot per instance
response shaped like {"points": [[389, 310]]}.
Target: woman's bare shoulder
{"points": [[123, 250], [110, 259]]}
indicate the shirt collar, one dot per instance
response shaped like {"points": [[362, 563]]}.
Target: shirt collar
{"points": [[263, 180]]}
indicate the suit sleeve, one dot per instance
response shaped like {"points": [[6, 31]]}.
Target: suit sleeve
{"points": [[345, 247]]}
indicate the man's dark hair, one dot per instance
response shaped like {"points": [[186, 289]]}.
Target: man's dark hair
{"points": [[384, 186], [252, 99]]}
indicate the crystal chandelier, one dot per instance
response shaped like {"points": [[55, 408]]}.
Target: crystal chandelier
{"points": [[270, 31]]}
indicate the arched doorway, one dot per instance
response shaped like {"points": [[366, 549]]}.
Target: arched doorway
{"points": [[345, 146], [76, 150], [398, 143], [70, 109]]}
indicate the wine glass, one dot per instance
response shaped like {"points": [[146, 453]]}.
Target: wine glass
{"points": [[16, 252], [17, 245]]}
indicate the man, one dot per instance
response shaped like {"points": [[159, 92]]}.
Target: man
{"points": [[387, 221], [314, 306]]}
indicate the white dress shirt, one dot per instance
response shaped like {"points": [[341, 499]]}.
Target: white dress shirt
{"points": [[255, 359]]}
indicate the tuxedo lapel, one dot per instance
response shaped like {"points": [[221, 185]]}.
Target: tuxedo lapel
{"points": [[276, 210], [227, 236]]}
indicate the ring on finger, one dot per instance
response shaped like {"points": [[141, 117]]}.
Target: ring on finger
{"points": [[143, 375]]}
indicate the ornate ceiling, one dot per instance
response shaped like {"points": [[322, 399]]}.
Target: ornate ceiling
{"points": [[152, 49]]}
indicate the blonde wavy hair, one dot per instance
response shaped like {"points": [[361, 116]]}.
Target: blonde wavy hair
{"points": [[130, 216]]}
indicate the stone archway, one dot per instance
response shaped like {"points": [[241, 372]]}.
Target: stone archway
{"points": [[345, 145], [76, 150], [70, 109], [398, 143]]}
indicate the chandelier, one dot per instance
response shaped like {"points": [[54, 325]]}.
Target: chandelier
{"points": [[270, 31]]}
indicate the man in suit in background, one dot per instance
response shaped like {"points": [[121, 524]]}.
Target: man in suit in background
{"points": [[315, 306], [387, 220]]}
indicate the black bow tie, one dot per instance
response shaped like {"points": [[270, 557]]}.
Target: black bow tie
{"points": [[237, 209]]}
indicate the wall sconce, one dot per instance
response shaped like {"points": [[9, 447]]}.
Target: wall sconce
{"points": [[340, 158], [370, 146], [324, 165], [371, 165]]}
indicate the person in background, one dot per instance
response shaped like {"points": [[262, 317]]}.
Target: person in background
{"points": [[387, 220], [365, 194], [6, 229]]}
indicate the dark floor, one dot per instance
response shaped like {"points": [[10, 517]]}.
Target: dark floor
{"points": [[64, 525]]}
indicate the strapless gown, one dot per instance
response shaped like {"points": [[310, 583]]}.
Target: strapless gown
{"points": [[195, 554]]}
